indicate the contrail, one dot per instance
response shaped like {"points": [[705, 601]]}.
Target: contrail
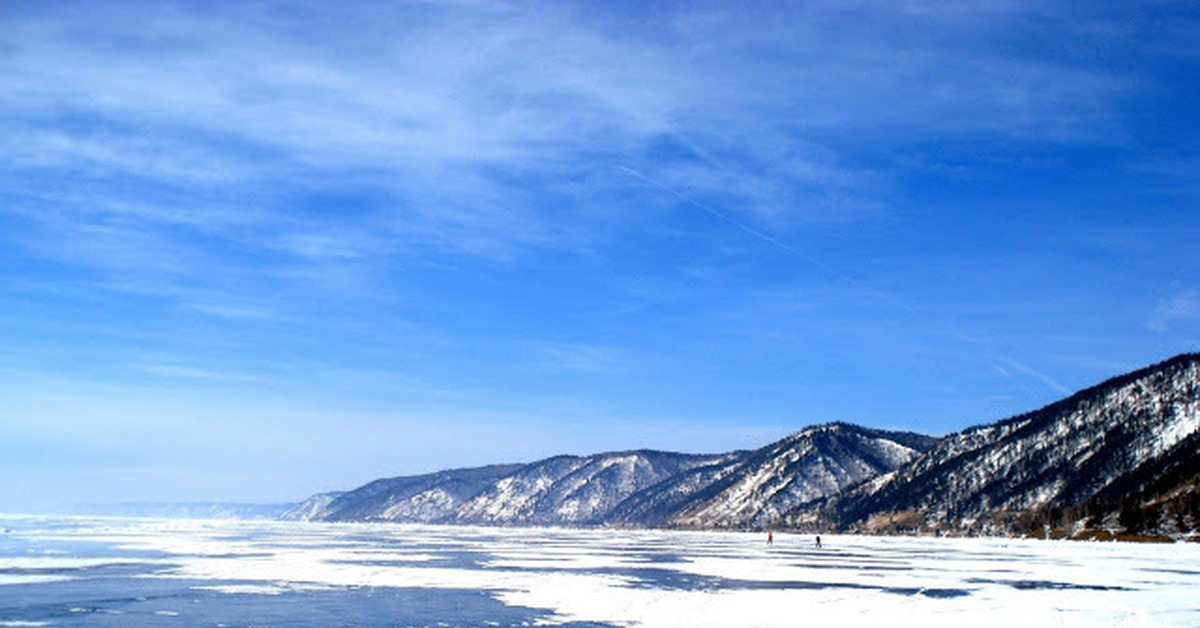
{"points": [[1038, 375], [723, 216]]}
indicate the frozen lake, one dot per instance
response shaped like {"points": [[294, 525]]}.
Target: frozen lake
{"points": [[129, 573]]}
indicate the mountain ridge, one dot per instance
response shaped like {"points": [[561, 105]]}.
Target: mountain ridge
{"points": [[1063, 455], [1119, 457], [636, 488], [805, 466]]}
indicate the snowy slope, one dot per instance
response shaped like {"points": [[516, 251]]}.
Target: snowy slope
{"points": [[564, 490], [814, 463], [430, 498], [639, 488], [1090, 445], [311, 508], [656, 505], [574, 490]]}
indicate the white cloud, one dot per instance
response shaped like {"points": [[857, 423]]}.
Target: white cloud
{"points": [[323, 142], [460, 100], [234, 311], [269, 184], [580, 357], [185, 372], [1179, 308]]}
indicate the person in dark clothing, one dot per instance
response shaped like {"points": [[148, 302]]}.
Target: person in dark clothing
{"points": [[818, 540]]}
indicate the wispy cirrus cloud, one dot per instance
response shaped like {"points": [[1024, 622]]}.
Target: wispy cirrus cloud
{"points": [[254, 149], [773, 213], [468, 105], [1178, 308], [185, 372], [579, 357]]}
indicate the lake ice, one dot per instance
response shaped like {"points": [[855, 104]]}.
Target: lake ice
{"points": [[135, 573]]}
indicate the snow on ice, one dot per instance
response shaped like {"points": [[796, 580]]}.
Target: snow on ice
{"points": [[647, 578]]}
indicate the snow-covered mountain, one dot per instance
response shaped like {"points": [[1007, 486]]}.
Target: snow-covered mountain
{"points": [[1127, 449], [575, 490], [635, 488], [310, 508], [656, 506], [756, 490], [563, 490], [429, 498], [188, 510], [1101, 445]]}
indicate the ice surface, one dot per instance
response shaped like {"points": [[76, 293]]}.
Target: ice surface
{"points": [[650, 578], [6, 578]]}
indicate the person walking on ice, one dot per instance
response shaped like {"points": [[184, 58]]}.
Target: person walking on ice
{"points": [[818, 540]]}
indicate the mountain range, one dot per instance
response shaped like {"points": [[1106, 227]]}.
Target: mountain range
{"points": [[1121, 457]]}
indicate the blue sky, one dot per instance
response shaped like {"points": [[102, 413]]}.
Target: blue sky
{"points": [[256, 250]]}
